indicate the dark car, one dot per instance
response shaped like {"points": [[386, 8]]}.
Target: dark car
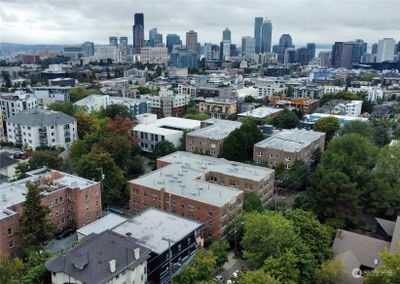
{"points": [[66, 233]]}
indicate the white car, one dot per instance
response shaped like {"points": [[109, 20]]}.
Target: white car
{"points": [[230, 281], [237, 273], [219, 278]]}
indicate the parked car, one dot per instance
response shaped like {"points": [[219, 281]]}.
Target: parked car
{"points": [[237, 273], [219, 278], [21, 155], [66, 233]]}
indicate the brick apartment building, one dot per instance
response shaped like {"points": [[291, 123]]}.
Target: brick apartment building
{"points": [[209, 139], [201, 188], [287, 146], [223, 108], [70, 199], [306, 105]]}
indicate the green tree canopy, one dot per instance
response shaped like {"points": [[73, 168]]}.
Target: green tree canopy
{"points": [[49, 159], [251, 202], [329, 125], [33, 223], [11, 269], [331, 271], [163, 148], [65, 107], [239, 144], [257, 277], [362, 128], [388, 272], [220, 251], [115, 109], [79, 92], [286, 119]]}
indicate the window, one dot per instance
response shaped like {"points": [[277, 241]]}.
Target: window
{"points": [[10, 231], [183, 206], [179, 247], [210, 213], [86, 197], [87, 219], [61, 200], [144, 193], [188, 241], [210, 223], [271, 155], [11, 244], [97, 203]]}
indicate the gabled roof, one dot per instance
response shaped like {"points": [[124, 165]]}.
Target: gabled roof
{"points": [[90, 261], [6, 160], [395, 243], [40, 117], [387, 226]]}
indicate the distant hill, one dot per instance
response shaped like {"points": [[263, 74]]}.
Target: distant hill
{"points": [[7, 49]]}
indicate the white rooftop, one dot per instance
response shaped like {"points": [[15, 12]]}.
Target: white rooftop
{"points": [[107, 222], [293, 140], [13, 193], [219, 129], [261, 112], [177, 122], [167, 125], [150, 128], [152, 225]]}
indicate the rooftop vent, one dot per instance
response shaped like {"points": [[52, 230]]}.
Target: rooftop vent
{"points": [[137, 253], [113, 265], [128, 234]]}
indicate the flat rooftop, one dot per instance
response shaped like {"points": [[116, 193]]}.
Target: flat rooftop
{"points": [[152, 225], [219, 129], [187, 182], [178, 122], [261, 112], [13, 193], [292, 140], [316, 116], [220, 165], [150, 128], [107, 222]]}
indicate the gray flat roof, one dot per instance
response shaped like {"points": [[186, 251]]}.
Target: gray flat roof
{"points": [[185, 181], [40, 117], [207, 164], [292, 140], [107, 222], [261, 112], [152, 225], [89, 262], [220, 129]]}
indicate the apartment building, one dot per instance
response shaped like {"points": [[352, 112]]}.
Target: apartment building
{"points": [[222, 108], [209, 139], [13, 103], [342, 107], [261, 113], [150, 130], [102, 258], [245, 177], [306, 105], [70, 198], [46, 95], [168, 104], [156, 55], [287, 146], [183, 189], [308, 91], [37, 127], [187, 90]]}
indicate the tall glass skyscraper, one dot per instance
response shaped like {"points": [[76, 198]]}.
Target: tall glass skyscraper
{"points": [[173, 39], [311, 50], [258, 21], [226, 34], [266, 36], [138, 32]]}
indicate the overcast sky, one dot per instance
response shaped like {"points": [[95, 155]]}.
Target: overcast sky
{"points": [[76, 21]]}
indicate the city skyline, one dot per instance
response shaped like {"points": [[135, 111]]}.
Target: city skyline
{"points": [[55, 22]]}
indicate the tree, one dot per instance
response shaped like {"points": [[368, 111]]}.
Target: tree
{"points": [[136, 166], [33, 226], [388, 271], [20, 170], [329, 125], [294, 179], [331, 271], [85, 123], [266, 234], [239, 144], [257, 277], [162, 149], [286, 119], [193, 113], [315, 235], [249, 99], [220, 251], [115, 191], [49, 159], [283, 268], [10, 269], [116, 109], [251, 202], [35, 268], [65, 107], [78, 93], [358, 127], [122, 126], [201, 268]]}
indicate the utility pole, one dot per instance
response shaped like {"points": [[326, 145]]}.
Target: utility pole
{"points": [[170, 254]]}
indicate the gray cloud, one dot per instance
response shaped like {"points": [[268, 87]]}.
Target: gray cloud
{"points": [[321, 21]]}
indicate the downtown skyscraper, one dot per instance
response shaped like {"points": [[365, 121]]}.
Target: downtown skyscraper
{"points": [[138, 32], [263, 34]]}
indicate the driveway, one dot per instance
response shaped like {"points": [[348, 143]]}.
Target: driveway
{"points": [[232, 265], [60, 246]]}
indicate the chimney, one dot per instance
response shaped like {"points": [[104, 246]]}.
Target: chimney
{"points": [[137, 253], [113, 265]]}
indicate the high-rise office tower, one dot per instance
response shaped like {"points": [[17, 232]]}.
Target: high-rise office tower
{"points": [[359, 49], [173, 39], [324, 58], [386, 48], [191, 41], [342, 53], [152, 36], [248, 46], [266, 36], [113, 41], [311, 50], [123, 42], [374, 48], [285, 41], [225, 50], [138, 32], [158, 39], [290, 55], [226, 34], [302, 56], [258, 21], [87, 48]]}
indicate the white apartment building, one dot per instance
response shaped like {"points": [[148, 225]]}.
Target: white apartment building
{"points": [[12, 103], [187, 90], [248, 46], [333, 89], [93, 102], [151, 130], [157, 55], [46, 95], [168, 104], [352, 108], [373, 93], [267, 87], [109, 52], [386, 49], [37, 127]]}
